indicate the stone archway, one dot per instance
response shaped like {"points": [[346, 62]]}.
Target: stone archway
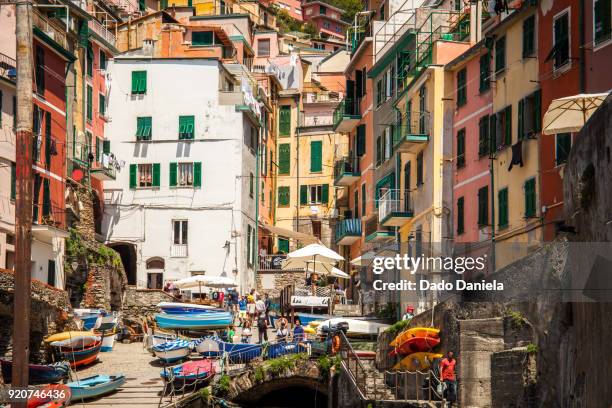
{"points": [[127, 252], [304, 392]]}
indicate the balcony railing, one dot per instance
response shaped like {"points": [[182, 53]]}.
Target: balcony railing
{"points": [[105, 169], [8, 67], [347, 113], [411, 128], [49, 214], [102, 31], [58, 34], [315, 120], [178, 251], [346, 171], [320, 291], [348, 231], [80, 152], [394, 208], [374, 231]]}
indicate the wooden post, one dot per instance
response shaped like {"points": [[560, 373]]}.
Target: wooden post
{"points": [[23, 203]]}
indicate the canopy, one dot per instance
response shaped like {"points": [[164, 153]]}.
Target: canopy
{"points": [[315, 252], [569, 114], [364, 260], [339, 274], [191, 282], [220, 282], [287, 233], [322, 268]]}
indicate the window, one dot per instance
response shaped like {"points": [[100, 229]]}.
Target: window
{"points": [[602, 15], [563, 144], [500, 55], [460, 216], [186, 126], [419, 161], [483, 206], [461, 148], [316, 228], [483, 136], [485, 73], [89, 59], [561, 47], [502, 217], [361, 140], [356, 202], [503, 128], [363, 200], [462, 87], [89, 103], [263, 47], [283, 245], [103, 60], [326, 25], [185, 174], [144, 175], [529, 115], [284, 158], [143, 128], [314, 194], [13, 180], [283, 196], [139, 82], [322, 10], [316, 156], [101, 104], [251, 185], [180, 232], [530, 198], [200, 38], [529, 36], [284, 121], [379, 92]]}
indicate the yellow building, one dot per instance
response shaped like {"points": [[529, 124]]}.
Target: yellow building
{"points": [[514, 125]]}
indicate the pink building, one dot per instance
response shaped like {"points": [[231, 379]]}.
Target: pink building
{"points": [[327, 19], [472, 105], [292, 7]]}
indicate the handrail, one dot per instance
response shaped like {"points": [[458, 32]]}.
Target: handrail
{"points": [[353, 365], [432, 393]]}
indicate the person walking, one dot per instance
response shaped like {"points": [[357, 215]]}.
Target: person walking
{"points": [[447, 376], [262, 328], [268, 304], [251, 307]]}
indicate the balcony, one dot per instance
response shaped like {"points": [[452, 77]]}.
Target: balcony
{"points": [[395, 208], [411, 132], [8, 67], [347, 115], [48, 222], [306, 121], [178, 251], [105, 169], [274, 263], [102, 31], [56, 32], [375, 232], [348, 231], [80, 153], [346, 171]]}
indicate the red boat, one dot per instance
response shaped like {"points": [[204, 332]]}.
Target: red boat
{"points": [[415, 344], [81, 356], [51, 396]]}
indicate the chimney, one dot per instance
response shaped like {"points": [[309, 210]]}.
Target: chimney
{"points": [[147, 47]]}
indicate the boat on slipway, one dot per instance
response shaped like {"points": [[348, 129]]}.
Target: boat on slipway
{"points": [[196, 321], [172, 351], [186, 308], [38, 373], [356, 327], [94, 386], [190, 372], [80, 356]]}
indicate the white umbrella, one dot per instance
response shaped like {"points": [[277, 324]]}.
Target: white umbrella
{"points": [[191, 282], [339, 274], [364, 260], [220, 282], [322, 268], [315, 252], [569, 114]]}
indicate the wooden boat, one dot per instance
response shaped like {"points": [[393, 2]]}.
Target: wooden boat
{"points": [[190, 371], [38, 373], [240, 352], [210, 320], [107, 343], [68, 335], [280, 349], [173, 350], [82, 356], [185, 308], [157, 338], [108, 322], [415, 344], [307, 318], [356, 328], [415, 332], [417, 361], [94, 386], [46, 398], [76, 342], [209, 347]]}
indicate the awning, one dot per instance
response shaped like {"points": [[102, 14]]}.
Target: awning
{"points": [[287, 233], [569, 114]]}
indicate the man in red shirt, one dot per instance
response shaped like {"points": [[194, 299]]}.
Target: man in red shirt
{"points": [[447, 375]]}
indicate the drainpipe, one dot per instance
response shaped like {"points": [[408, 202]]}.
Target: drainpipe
{"points": [[491, 171], [256, 246], [582, 46], [297, 167]]}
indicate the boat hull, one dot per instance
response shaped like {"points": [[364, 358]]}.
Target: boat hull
{"points": [[415, 345], [356, 328], [186, 308], [81, 357], [417, 361], [171, 356], [190, 372], [415, 332], [95, 386], [212, 320], [240, 352], [38, 373], [307, 318]]}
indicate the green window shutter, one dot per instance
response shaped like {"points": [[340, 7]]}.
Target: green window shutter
{"points": [[186, 126], [98, 149], [460, 216], [521, 119], [363, 200], [502, 198], [528, 36], [324, 193], [361, 140], [13, 180], [133, 175], [461, 148], [284, 123], [461, 87], [563, 146], [483, 135], [135, 81], [139, 82], [316, 156], [197, 174], [485, 72], [530, 198], [283, 245], [284, 157], [106, 149], [303, 195], [500, 54], [156, 171], [492, 133], [283, 196], [173, 174], [483, 206], [48, 139], [508, 125], [202, 38], [89, 102], [102, 104], [46, 197], [143, 128], [537, 111], [103, 62], [142, 5], [37, 181]]}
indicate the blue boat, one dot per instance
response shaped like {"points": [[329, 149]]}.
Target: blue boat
{"points": [[186, 308], [280, 349], [89, 321], [174, 350], [94, 386], [38, 373], [211, 320], [190, 371], [240, 352], [306, 318]]}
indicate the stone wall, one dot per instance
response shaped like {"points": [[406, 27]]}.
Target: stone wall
{"points": [[274, 282], [514, 382], [141, 303]]}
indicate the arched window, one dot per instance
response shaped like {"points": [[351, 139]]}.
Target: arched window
{"points": [[155, 263]]}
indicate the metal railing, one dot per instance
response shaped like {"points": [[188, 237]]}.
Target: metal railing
{"points": [[394, 201], [105, 166], [273, 263], [58, 34], [49, 214], [347, 107], [102, 31], [348, 227], [411, 123], [346, 165], [353, 365], [321, 291], [178, 251], [412, 386], [8, 67]]}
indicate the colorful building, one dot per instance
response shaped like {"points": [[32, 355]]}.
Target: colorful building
{"points": [[326, 18]]}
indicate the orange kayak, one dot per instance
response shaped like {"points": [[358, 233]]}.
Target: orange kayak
{"points": [[415, 332], [416, 344]]}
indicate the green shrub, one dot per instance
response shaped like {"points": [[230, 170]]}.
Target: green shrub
{"points": [[516, 319], [398, 327], [222, 386], [532, 348]]}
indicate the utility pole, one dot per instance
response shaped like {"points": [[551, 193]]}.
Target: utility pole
{"points": [[23, 204]]}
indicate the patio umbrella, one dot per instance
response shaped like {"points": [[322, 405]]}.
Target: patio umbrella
{"points": [[220, 282], [191, 282], [315, 252], [322, 268], [569, 114], [339, 274]]}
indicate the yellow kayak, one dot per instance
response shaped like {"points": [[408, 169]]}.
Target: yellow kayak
{"points": [[316, 323], [414, 332], [417, 361], [310, 330], [68, 335]]}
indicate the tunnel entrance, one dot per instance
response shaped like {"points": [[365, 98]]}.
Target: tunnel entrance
{"points": [[127, 252], [291, 397]]}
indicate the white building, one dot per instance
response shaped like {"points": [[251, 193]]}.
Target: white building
{"points": [[185, 201]]}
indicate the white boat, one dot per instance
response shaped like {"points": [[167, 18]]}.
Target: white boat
{"points": [[154, 339], [107, 343], [76, 342], [357, 328], [208, 346], [172, 351]]}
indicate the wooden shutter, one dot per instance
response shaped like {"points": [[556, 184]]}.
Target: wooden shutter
{"points": [[361, 140], [521, 119], [483, 206], [197, 174], [530, 198], [284, 157], [142, 82], [537, 111], [316, 153], [508, 125], [89, 102], [133, 175], [492, 133], [303, 195], [135, 81], [13, 180], [502, 198], [106, 147], [173, 174], [325, 193], [46, 197], [284, 121], [48, 139], [37, 181], [156, 171], [460, 216]]}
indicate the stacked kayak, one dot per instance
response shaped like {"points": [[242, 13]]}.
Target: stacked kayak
{"points": [[194, 321], [416, 346], [95, 386]]}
